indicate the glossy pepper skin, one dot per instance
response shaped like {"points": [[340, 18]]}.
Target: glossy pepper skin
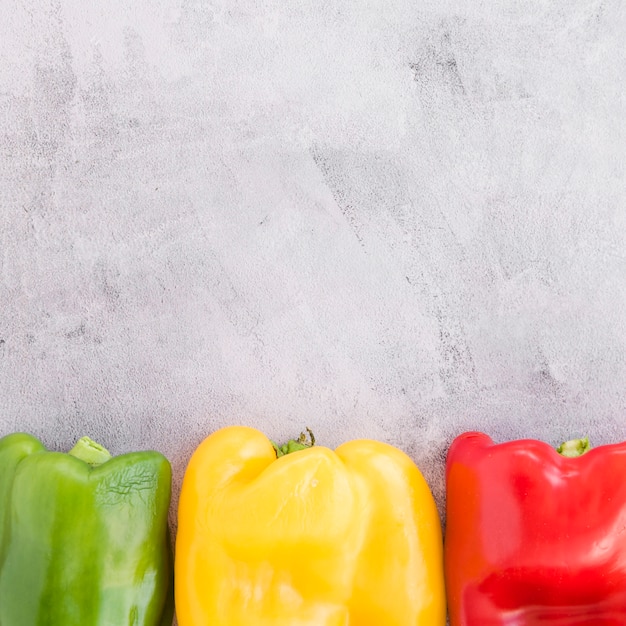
{"points": [[534, 537], [83, 536], [313, 538]]}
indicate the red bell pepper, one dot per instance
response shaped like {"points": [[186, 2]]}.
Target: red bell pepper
{"points": [[535, 537]]}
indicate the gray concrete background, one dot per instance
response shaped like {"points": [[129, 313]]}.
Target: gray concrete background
{"points": [[397, 220]]}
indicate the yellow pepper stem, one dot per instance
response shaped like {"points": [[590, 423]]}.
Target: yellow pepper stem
{"points": [[294, 445]]}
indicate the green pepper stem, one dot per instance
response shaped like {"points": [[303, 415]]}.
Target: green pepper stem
{"points": [[90, 452], [574, 447], [294, 445]]}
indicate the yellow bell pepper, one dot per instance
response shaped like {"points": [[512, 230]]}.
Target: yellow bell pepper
{"points": [[314, 538]]}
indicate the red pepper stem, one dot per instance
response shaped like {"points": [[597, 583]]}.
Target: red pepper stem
{"points": [[90, 452], [574, 447], [294, 445]]}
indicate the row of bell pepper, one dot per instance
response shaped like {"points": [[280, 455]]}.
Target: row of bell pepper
{"points": [[299, 535]]}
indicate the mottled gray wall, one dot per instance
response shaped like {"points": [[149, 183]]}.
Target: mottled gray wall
{"points": [[398, 220]]}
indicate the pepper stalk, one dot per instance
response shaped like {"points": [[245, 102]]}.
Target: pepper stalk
{"points": [[295, 445], [574, 447]]}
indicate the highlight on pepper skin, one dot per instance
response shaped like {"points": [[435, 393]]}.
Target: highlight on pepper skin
{"points": [[313, 538]]}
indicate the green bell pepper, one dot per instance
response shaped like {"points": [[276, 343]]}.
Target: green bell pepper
{"points": [[83, 536]]}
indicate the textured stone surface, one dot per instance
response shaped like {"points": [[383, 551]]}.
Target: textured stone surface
{"points": [[394, 219]]}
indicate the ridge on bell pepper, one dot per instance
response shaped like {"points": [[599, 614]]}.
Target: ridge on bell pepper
{"points": [[534, 535], [307, 538], [83, 536]]}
